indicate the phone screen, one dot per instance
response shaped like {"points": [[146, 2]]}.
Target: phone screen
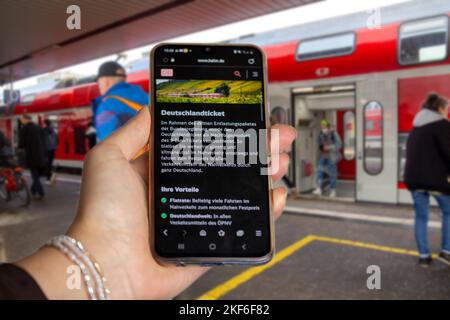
{"points": [[211, 188]]}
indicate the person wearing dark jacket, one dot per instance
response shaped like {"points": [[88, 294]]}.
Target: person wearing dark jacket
{"points": [[51, 143], [30, 140], [5, 150], [427, 172]]}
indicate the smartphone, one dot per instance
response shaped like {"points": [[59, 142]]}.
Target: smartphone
{"points": [[210, 188]]}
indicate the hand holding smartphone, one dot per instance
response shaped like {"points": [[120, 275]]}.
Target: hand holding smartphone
{"points": [[210, 194]]}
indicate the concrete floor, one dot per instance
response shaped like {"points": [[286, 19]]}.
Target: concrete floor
{"points": [[334, 268]]}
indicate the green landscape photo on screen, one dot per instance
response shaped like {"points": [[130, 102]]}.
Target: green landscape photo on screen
{"points": [[208, 91]]}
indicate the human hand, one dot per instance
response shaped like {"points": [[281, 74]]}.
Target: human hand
{"points": [[112, 219]]}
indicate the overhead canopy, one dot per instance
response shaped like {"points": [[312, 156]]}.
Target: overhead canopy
{"points": [[34, 38]]}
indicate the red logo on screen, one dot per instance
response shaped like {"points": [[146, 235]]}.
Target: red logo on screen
{"points": [[166, 72]]}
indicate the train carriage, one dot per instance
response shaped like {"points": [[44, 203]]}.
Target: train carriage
{"points": [[367, 80]]}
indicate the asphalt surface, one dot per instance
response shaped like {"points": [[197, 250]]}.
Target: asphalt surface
{"points": [[335, 269], [24, 230]]}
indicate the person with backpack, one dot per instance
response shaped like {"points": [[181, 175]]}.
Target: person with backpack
{"points": [[329, 144], [427, 172], [51, 143], [119, 101], [30, 140]]}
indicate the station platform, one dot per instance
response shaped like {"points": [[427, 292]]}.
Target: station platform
{"points": [[323, 250], [370, 212]]}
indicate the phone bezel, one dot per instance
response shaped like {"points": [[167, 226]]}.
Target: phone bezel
{"points": [[198, 260]]}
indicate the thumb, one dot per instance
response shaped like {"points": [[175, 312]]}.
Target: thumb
{"points": [[133, 136]]}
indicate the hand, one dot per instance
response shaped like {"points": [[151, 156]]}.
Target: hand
{"points": [[112, 219]]}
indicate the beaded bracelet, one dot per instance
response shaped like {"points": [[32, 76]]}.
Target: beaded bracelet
{"points": [[90, 269]]}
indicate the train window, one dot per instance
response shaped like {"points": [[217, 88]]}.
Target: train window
{"points": [[27, 99], [137, 65], [87, 79], [65, 83], [331, 46], [349, 135], [423, 41], [373, 137], [402, 139]]}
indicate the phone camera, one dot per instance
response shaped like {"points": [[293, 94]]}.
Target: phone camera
{"points": [[208, 49]]}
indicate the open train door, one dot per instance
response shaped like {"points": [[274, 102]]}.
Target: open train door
{"points": [[376, 163]]}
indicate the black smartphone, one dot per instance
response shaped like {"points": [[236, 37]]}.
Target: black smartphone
{"points": [[210, 188]]}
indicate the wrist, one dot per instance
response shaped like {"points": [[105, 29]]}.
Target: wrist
{"points": [[53, 271], [111, 262]]}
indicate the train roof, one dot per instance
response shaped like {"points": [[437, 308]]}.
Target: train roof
{"points": [[390, 14], [41, 38]]}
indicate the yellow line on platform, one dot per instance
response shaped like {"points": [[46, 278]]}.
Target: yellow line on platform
{"points": [[366, 245], [246, 275]]}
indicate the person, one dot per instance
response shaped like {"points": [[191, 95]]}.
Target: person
{"points": [[118, 101], [91, 135], [427, 172], [329, 144], [51, 143], [112, 224], [30, 140], [5, 150]]}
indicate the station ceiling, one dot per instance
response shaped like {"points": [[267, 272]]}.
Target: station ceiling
{"points": [[34, 37]]}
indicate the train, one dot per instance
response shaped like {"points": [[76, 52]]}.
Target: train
{"points": [[368, 80]]}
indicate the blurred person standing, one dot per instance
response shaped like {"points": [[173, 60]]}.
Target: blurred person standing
{"points": [[5, 150], [51, 143], [30, 140], [5, 145], [119, 101], [427, 172], [329, 144]]}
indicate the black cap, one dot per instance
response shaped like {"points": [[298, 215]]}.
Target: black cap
{"points": [[111, 69]]}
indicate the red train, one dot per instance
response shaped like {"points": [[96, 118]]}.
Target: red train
{"points": [[368, 81]]}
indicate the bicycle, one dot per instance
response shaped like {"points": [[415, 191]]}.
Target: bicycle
{"points": [[13, 185]]}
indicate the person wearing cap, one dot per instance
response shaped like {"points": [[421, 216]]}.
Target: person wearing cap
{"points": [[119, 100], [329, 144]]}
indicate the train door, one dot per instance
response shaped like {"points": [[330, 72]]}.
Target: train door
{"points": [[346, 128], [376, 163], [337, 105]]}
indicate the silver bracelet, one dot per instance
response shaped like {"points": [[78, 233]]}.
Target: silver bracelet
{"points": [[78, 248], [90, 269]]}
